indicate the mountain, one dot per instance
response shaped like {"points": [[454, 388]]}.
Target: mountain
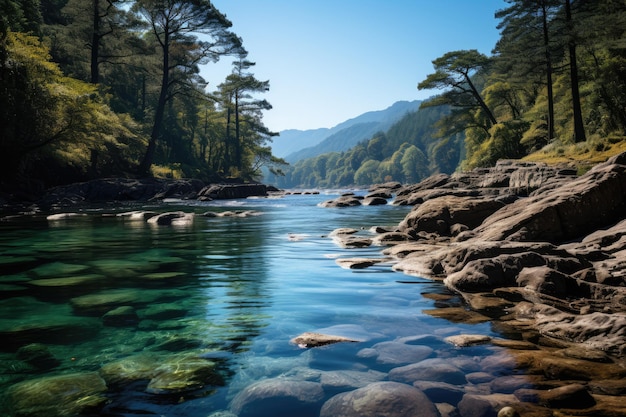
{"points": [[294, 145]]}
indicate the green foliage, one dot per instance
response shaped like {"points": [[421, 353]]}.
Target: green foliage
{"points": [[556, 62], [409, 151], [61, 120]]}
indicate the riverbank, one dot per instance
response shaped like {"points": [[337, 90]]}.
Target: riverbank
{"points": [[537, 251], [124, 190]]}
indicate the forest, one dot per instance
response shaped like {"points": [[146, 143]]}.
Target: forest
{"points": [[555, 83], [112, 88]]}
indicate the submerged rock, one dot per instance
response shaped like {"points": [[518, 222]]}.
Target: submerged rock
{"points": [[38, 355], [380, 399], [279, 396], [124, 371], [179, 375], [57, 396]]}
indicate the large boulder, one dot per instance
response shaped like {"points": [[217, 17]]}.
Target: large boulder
{"points": [[279, 396], [440, 214], [380, 399]]}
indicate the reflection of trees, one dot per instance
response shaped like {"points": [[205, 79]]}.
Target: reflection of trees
{"points": [[233, 272]]}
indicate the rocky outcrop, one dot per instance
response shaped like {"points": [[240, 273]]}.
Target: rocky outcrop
{"points": [[527, 244]]}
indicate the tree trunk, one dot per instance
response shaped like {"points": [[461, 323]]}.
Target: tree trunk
{"points": [[579, 127], [238, 157], [95, 43], [481, 102], [148, 159], [546, 44]]}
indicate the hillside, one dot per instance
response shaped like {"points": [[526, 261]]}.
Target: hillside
{"points": [[294, 145]]}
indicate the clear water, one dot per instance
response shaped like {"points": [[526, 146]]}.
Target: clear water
{"points": [[233, 290]]}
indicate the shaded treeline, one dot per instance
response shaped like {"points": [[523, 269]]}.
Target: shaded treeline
{"points": [[113, 88]]}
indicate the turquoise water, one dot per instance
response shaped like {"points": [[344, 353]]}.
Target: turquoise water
{"points": [[227, 290]]}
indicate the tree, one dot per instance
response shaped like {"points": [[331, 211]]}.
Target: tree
{"points": [[175, 26], [524, 29], [454, 71], [245, 133]]}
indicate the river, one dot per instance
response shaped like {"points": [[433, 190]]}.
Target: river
{"points": [[230, 290]]}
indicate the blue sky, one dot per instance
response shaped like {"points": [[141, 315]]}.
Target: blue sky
{"points": [[331, 60]]}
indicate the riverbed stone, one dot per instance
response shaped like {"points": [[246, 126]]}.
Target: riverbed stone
{"points": [[57, 396], [58, 269], [345, 380], [395, 353], [123, 316], [279, 396], [567, 396], [67, 285], [358, 263], [103, 301], [57, 329], [184, 374], [435, 369], [381, 399], [464, 340], [38, 355], [440, 392], [473, 405], [510, 383], [312, 339], [138, 367]]}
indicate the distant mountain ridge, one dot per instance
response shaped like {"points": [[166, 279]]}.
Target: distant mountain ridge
{"points": [[294, 145]]}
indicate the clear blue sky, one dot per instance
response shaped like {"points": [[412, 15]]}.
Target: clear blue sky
{"points": [[331, 60]]}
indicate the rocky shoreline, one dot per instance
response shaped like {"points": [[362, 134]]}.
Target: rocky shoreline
{"points": [[537, 251], [119, 190]]}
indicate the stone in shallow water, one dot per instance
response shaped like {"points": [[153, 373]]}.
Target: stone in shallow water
{"points": [[572, 396], [55, 329], [464, 340], [358, 263], [435, 369], [184, 375], [344, 380], [101, 302], [395, 353], [121, 317], [485, 405], [58, 269], [310, 339], [441, 392], [38, 355], [279, 396], [380, 399], [68, 282], [163, 311], [133, 368], [57, 396], [458, 315]]}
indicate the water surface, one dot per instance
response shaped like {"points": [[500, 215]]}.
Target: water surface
{"points": [[227, 289]]}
